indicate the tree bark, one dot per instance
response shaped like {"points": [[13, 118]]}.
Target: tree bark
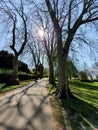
{"points": [[62, 54], [14, 77], [63, 88], [51, 72], [36, 72], [62, 73]]}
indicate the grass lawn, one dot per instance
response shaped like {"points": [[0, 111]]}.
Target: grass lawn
{"points": [[80, 113], [4, 88]]}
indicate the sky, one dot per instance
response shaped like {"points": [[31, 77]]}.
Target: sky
{"points": [[81, 56]]}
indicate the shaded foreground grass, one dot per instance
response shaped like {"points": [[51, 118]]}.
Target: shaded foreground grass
{"points": [[80, 113], [5, 88]]}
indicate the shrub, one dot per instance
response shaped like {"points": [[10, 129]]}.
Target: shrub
{"points": [[25, 76], [5, 74]]}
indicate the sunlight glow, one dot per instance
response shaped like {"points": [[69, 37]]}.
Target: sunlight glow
{"points": [[41, 32]]}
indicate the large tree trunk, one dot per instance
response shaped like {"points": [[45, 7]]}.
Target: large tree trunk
{"points": [[62, 77], [36, 72], [41, 69], [51, 72], [14, 77], [62, 53], [63, 88]]}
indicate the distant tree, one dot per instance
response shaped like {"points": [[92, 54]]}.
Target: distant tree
{"points": [[72, 70], [37, 54], [95, 70], [40, 70], [23, 67], [47, 39], [83, 76]]}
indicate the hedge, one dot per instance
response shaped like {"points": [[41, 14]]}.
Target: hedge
{"points": [[5, 74]]}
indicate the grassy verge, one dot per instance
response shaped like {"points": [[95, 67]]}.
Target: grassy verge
{"points": [[12, 87], [80, 113], [55, 103]]}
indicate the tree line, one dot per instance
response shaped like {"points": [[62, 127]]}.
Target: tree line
{"points": [[61, 22]]}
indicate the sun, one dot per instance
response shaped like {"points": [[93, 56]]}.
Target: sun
{"points": [[41, 32]]}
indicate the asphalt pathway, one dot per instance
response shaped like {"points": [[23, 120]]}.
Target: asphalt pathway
{"points": [[27, 108]]}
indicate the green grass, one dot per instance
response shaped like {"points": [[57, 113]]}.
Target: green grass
{"points": [[87, 92], [4, 88], [81, 113], [55, 103]]}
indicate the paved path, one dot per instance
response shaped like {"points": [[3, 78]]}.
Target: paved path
{"points": [[27, 108]]}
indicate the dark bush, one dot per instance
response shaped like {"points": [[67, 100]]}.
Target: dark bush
{"points": [[24, 76], [89, 81], [4, 77], [23, 67], [5, 74], [6, 62]]}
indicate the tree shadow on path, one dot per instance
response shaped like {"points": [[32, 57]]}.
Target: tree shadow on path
{"points": [[25, 109]]}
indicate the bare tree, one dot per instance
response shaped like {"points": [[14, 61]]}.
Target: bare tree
{"points": [[15, 13], [94, 70], [48, 39], [67, 17], [37, 55]]}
